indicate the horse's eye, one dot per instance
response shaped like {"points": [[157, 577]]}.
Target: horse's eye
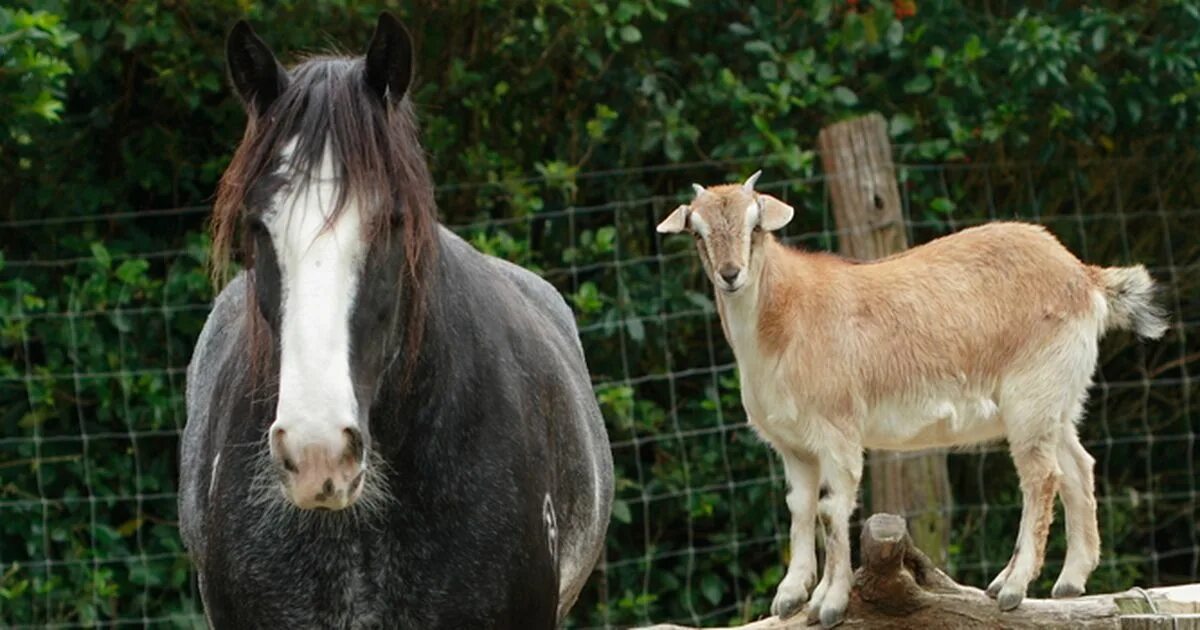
{"points": [[256, 226]]}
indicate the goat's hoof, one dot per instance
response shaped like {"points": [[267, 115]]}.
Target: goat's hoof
{"points": [[1010, 599], [814, 614], [831, 617], [1064, 590], [788, 604], [993, 589]]}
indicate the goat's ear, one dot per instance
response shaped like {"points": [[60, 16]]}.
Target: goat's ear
{"points": [[676, 222], [774, 213], [390, 59], [256, 74]]}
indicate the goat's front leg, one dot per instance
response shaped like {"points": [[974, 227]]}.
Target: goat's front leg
{"points": [[803, 478], [841, 472]]}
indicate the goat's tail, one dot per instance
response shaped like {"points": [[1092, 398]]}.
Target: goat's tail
{"points": [[1130, 293]]}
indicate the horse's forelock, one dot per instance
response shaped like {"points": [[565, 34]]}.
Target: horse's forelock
{"points": [[380, 164]]}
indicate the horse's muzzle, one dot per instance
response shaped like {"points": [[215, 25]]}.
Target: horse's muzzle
{"points": [[325, 474]]}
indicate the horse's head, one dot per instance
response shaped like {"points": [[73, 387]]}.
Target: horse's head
{"points": [[336, 201]]}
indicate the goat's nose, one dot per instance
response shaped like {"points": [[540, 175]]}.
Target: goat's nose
{"points": [[729, 273], [323, 468]]}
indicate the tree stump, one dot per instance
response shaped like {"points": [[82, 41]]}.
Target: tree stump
{"points": [[897, 586]]}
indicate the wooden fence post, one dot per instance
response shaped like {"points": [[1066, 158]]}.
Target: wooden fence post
{"points": [[857, 158]]}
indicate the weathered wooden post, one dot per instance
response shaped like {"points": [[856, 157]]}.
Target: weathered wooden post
{"points": [[857, 159], [898, 587]]}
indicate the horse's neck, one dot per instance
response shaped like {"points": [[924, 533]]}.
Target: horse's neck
{"points": [[440, 353]]}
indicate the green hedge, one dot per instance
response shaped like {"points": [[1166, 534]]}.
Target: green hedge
{"points": [[558, 132]]}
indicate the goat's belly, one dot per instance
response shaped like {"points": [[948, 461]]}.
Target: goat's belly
{"points": [[932, 423]]}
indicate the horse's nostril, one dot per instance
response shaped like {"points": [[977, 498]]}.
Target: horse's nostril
{"points": [[354, 444], [280, 448]]}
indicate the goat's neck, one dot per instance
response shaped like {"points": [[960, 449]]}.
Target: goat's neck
{"points": [[740, 311]]}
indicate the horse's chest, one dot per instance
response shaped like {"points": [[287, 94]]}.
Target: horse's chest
{"points": [[357, 604], [333, 585]]}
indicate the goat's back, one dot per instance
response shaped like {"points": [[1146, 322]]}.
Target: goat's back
{"points": [[966, 308]]}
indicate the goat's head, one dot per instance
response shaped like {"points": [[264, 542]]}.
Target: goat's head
{"points": [[729, 223]]}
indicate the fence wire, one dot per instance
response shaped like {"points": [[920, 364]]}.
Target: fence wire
{"points": [[89, 433]]}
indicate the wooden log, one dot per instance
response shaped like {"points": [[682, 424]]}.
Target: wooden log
{"points": [[861, 178], [898, 586]]}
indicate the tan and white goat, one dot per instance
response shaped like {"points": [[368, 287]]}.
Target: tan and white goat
{"points": [[985, 334]]}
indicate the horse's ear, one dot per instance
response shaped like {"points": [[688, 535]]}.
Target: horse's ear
{"points": [[256, 74], [390, 59]]}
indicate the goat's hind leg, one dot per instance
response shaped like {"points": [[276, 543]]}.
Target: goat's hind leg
{"points": [[1079, 505], [803, 476], [1037, 466]]}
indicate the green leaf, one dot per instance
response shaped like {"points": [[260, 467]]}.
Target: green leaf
{"points": [[936, 58], [129, 33], [821, 11], [973, 49], [627, 10], [1135, 110], [895, 34], [121, 322], [768, 70], [129, 527], [620, 511], [100, 253], [845, 96], [132, 270], [631, 34], [942, 205], [918, 84], [899, 125], [712, 588], [637, 331], [759, 46]]}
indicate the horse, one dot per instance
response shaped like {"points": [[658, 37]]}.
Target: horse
{"points": [[385, 427]]}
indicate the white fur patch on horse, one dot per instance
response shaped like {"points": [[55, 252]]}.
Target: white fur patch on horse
{"points": [[319, 266], [551, 522], [212, 482]]}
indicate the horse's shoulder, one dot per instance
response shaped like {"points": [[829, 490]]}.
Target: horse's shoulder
{"points": [[217, 340], [535, 289]]}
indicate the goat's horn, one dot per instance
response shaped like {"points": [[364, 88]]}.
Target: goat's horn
{"points": [[749, 185], [698, 188]]}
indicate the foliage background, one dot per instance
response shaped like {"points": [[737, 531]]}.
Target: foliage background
{"points": [[559, 131]]}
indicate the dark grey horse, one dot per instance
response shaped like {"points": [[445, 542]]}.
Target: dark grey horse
{"points": [[386, 428]]}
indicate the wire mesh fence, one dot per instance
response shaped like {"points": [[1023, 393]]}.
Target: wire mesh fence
{"points": [[99, 322]]}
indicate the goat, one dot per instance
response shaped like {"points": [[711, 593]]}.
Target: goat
{"points": [[985, 334]]}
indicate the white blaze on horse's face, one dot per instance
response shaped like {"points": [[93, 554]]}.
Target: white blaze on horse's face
{"points": [[315, 436]]}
